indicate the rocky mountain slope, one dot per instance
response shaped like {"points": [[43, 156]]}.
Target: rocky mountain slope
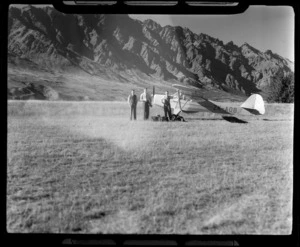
{"points": [[118, 48]]}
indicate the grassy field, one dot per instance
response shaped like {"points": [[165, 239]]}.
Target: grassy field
{"points": [[83, 167]]}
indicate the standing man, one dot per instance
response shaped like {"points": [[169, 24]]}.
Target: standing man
{"points": [[146, 100], [167, 106], [132, 101]]}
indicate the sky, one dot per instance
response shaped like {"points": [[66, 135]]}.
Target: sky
{"points": [[263, 27]]}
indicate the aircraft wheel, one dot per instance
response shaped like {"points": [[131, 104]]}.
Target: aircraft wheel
{"points": [[173, 117]]}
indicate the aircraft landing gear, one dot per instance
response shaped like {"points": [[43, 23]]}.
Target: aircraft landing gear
{"points": [[177, 118], [173, 118]]}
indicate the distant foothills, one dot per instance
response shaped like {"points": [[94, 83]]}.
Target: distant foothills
{"points": [[118, 48]]}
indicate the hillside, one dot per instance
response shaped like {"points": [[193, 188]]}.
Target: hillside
{"points": [[55, 56]]}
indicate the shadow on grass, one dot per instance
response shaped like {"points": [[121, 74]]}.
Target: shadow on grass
{"points": [[233, 119], [227, 118], [205, 119]]}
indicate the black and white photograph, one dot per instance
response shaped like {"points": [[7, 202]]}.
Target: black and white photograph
{"points": [[150, 123]]}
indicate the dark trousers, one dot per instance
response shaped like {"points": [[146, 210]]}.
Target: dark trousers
{"points": [[133, 112], [146, 110], [167, 110]]}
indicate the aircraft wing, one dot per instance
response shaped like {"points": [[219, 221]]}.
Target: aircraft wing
{"points": [[191, 92], [198, 94]]}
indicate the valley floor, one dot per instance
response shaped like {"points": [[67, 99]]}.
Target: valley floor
{"points": [[83, 167]]}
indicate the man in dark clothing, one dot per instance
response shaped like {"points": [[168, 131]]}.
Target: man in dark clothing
{"points": [[132, 101], [167, 106], [145, 98]]}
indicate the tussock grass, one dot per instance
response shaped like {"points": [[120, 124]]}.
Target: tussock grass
{"points": [[85, 168]]}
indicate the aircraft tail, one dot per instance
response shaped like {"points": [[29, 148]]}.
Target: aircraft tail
{"points": [[254, 104]]}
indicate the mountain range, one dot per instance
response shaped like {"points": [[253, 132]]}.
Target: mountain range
{"points": [[50, 53]]}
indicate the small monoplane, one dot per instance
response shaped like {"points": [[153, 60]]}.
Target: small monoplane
{"points": [[189, 99]]}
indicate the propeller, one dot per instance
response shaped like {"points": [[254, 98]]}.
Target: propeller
{"points": [[153, 93], [179, 99]]}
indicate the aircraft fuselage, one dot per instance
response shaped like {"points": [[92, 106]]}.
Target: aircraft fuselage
{"points": [[190, 106]]}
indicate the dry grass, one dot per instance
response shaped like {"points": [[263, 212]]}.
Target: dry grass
{"points": [[85, 168]]}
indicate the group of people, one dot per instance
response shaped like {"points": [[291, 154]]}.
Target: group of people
{"points": [[145, 98]]}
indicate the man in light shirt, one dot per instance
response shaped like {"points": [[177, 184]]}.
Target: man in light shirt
{"points": [[145, 98]]}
